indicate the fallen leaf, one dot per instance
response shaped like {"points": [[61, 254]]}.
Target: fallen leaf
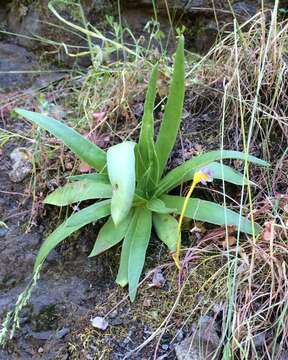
{"points": [[147, 302], [231, 241], [83, 167], [68, 165], [269, 231], [99, 116]]}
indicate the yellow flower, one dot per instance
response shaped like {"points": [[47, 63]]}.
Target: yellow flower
{"points": [[204, 175]]}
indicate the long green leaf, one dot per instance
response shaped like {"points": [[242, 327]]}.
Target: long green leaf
{"points": [[210, 212], [147, 161], [176, 176], [79, 191], [166, 227], [138, 247], [110, 235], [121, 172], [173, 110], [158, 206], [103, 178], [82, 147], [221, 172], [83, 217], [122, 276]]}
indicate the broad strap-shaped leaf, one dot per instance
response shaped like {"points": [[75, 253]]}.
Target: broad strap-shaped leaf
{"points": [[138, 247], [82, 147], [166, 227], [122, 276], [210, 212], [173, 109], [83, 217], [99, 178], [110, 235], [177, 175], [121, 172], [147, 162], [79, 191], [158, 206]]}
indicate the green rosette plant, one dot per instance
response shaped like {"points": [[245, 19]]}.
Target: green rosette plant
{"points": [[131, 188]]}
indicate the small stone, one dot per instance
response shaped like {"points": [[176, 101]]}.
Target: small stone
{"points": [[202, 344], [165, 347], [22, 166], [3, 229], [40, 350], [158, 279], [100, 323]]}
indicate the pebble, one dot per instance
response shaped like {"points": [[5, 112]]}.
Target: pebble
{"points": [[100, 323]]}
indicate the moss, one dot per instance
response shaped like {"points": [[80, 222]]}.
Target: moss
{"points": [[131, 324]]}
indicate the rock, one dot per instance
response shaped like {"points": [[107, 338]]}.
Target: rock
{"points": [[15, 58], [245, 8], [283, 355], [62, 333], [202, 344], [22, 165], [100, 323], [3, 229], [32, 17], [42, 335]]}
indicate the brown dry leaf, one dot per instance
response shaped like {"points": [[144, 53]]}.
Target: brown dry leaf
{"points": [[147, 302], [84, 167], [231, 241], [99, 116], [269, 231], [198, 148], [243, 255], [237, 164], [68, 165]]}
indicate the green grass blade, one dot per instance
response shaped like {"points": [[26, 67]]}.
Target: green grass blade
{"points": [[110, 235], [138, 247], [82, 147], [166, 227], [178, 175], [83, 217], [79, 191], [210, 212], [121, 172], [173, 110]]}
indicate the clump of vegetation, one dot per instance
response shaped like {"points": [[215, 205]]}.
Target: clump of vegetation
{"points": [[131, 175]]}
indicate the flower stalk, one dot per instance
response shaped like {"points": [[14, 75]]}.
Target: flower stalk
{"points": [[204, 175]]}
